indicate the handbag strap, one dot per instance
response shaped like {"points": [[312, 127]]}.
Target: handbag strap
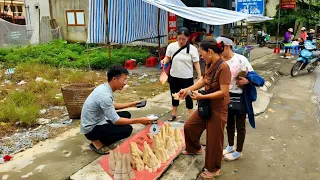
{"points": [[183, 47], [177, 52], [215, 71]]}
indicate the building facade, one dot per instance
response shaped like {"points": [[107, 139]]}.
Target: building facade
{"points": [[12, 11], [12, 8]]}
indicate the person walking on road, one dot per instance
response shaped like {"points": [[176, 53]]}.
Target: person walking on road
{"points": [[182, 56], [218, 91], [238, 108]]}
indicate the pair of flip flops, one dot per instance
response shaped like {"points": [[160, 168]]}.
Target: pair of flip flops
{"points": [[102, 151], [205, 176]]}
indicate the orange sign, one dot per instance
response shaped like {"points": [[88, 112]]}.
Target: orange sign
{"points": [[172, 27], [288, 4]]}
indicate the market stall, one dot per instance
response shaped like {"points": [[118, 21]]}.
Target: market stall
{"points": [[145, 155]]}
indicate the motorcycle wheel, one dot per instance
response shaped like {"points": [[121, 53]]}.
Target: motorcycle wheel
{"points": [[296, 69], [312, 67], [262, 44]]}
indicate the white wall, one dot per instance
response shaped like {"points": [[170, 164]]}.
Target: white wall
{"points": [[271, 7], [32, 16]]}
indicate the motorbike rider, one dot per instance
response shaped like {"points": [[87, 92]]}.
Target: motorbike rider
{"points": [[261, 37], [311, 35]]}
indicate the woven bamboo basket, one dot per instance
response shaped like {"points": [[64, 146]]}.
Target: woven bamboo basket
{"points": [[74, 96]]}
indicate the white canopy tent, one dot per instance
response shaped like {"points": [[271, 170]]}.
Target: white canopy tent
{"points": [[208, 15]]}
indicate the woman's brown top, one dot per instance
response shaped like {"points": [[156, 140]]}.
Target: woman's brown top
{"points": [[222, 77]]}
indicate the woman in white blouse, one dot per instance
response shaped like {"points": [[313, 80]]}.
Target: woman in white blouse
{"points": [[181, 72], [236, 116]]}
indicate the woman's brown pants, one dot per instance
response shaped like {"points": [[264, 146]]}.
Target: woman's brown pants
{"points": [[193, 129]]}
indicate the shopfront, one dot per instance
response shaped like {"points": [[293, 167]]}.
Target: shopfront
{"points": [[176, 22]]}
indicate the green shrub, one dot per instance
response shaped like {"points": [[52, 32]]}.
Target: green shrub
{"points": [[59, 53]]}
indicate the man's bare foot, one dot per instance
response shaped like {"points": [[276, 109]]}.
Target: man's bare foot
{"points": [[97, 144]]}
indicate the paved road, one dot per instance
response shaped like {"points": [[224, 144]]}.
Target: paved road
{"points": [[258, 52], [293, 122]]}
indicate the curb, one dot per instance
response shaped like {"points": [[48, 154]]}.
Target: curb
{"points": [[185, 168], [270, 81]]}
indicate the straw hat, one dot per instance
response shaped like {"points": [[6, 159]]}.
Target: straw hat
{"points": [[312, 31], [290, 30], [303, 29]]}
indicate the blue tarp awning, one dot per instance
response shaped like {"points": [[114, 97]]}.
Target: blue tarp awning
{"points": [[137, 19]]}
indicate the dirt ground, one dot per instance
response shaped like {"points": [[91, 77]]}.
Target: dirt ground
{"points": [[143, 83]]}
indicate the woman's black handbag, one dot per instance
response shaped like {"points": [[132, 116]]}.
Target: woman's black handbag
{"points": [[204, 105], [236, 105]]}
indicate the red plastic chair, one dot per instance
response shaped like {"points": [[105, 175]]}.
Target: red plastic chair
{"points": [[130, 64], [151, 61]]}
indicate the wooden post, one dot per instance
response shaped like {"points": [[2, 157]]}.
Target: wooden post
{"points": [[107, 27], [88, 56], [51, 15], [39, 26], [159, 54], [13, 20]]}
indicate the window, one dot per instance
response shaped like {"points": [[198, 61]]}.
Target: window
{"points": [[19, 8], [13, 9], [75, 18], [6, 9]]}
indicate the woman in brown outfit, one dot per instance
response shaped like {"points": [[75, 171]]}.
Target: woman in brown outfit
{"points": [[219, 95]]}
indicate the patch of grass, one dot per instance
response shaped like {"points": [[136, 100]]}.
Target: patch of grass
{"points": [[19, 106], [23, 102], [45, 93], [34, 70]]}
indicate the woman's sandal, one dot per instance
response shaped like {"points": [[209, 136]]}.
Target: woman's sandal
{"points": [[204, 175], [188, 153], [172, 118], [102, 151]]}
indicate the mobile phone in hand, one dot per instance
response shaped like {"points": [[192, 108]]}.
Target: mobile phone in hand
{"points": [[241, 74], [142, 104]]}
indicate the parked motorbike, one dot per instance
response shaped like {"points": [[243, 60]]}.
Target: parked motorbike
{"points": [[308, 59], [261, 40]]}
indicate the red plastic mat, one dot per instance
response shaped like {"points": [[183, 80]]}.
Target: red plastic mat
{"points": [[139, 138]]}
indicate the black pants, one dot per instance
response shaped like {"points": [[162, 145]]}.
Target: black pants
{"points": [[237, 121], [176, 84], [108, 134]]}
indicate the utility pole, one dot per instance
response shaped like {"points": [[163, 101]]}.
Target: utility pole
{"points": [[310, 1], [278, 31]]}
